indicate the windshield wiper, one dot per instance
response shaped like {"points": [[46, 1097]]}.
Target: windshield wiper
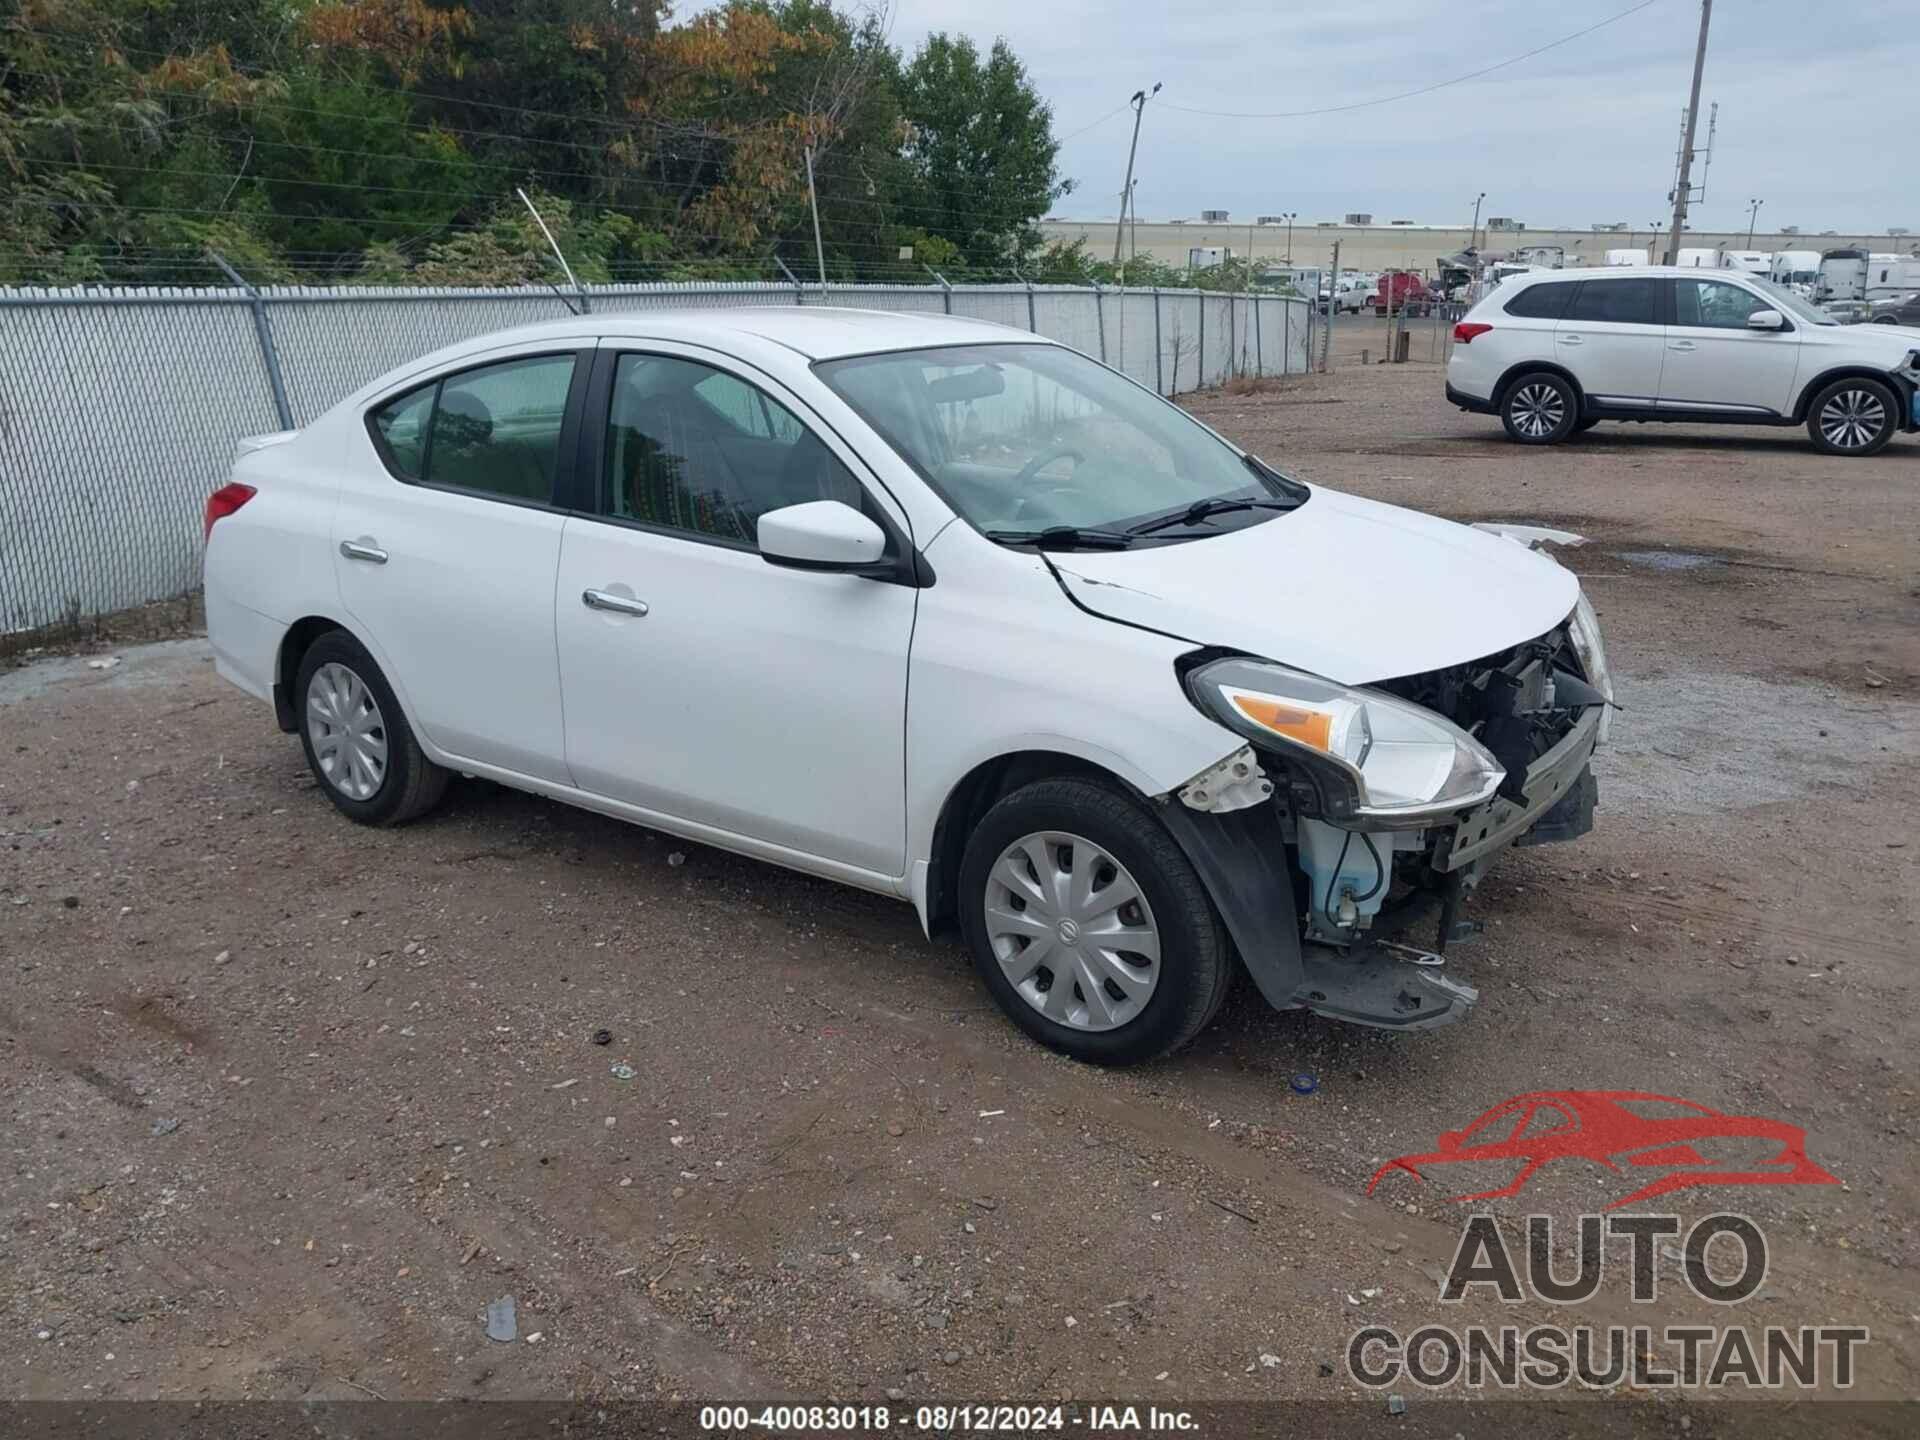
{"points": [[1063, 537], [1205, 509]]}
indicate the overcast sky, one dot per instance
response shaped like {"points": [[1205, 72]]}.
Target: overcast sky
{"points": [[1816, 106]]}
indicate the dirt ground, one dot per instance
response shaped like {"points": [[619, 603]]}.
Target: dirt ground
{"points": [[288, 1102]]}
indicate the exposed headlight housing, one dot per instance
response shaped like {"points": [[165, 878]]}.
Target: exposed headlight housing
{"points": [[1583, 629], [1377, 761]]}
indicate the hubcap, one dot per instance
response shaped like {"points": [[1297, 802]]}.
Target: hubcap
{"points": [[1537, 410], [348, 735], [1072, 931], [1852, 419]]}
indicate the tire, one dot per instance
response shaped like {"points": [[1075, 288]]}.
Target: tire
{"points": [[1539, 408], [1853, 416], [339, 688], [1174, 981]]}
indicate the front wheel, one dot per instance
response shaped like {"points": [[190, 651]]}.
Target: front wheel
{"points": [[1853, 416], [1540, 408], [1089, 925]]}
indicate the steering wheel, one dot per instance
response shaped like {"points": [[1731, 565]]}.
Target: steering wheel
{"points": [[1045, 458]]}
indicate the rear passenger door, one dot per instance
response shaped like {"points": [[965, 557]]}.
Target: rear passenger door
{"points": [[1612, 337], [446, 541]]}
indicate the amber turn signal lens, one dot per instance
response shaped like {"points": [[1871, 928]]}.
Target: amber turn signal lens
{"points": [[1308, 727]]}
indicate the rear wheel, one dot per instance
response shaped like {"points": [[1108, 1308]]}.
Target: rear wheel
{"points": [[357, 741], [1089, 925], [1853, 416], [1540, 408]]}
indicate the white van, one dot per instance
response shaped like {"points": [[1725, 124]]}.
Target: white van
{"points": [[1698, 259], [1626, 257], [1752, 262]]}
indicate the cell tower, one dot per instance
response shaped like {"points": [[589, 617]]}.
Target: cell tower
{"points": [[1695, 193]]}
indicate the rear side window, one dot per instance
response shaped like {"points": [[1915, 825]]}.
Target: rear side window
{"points": [[403, 425], [494, 430], [1541, 302], [1616, 302]]}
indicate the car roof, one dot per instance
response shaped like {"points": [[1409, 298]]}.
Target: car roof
{"points": [[1631, 272], [817, 332]]}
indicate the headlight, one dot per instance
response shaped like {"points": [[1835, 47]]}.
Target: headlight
{"points": [[1372, 756], [1584, 631]]}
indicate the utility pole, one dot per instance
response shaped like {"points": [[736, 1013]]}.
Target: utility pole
{"points": [[1473, 235], [1682, 191], [1291, 214], [1139, 103], [813, 203], [1752, 214]]}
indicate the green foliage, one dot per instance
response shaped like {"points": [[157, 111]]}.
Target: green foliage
{"points": [[981, 152], [382, 141]]}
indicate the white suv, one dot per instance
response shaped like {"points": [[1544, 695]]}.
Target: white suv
{"points": [[1557, 352]]}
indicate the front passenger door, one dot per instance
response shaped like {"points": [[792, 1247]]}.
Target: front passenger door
{"points": [[702, 684], [1714, 362]]}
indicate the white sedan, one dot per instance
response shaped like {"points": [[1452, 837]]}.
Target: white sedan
{"points": [[934, 608]]}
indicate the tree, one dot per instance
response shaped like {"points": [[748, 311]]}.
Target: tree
{"points": [[981, 150]]}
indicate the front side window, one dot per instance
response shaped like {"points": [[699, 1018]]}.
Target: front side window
{"points": [[698, 450], [1714, 304], [1616, 302], [1020, 439], [494, 430]]}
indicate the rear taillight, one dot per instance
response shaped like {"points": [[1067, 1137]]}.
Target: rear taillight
{"points": [[224, 501], [1464, 332]]}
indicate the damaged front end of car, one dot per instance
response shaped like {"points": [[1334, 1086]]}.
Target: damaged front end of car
{"points": [[1341, 841]]}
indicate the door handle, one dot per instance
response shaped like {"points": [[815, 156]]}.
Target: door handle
{"points": [[356, 550], [618, 604], [1571, 340], [1682, 345]]}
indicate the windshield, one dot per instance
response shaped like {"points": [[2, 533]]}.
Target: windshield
{"points": [[1793, 304], [1023, 439]]}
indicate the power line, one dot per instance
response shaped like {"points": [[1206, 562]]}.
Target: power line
{"points": [[1422, 90]]}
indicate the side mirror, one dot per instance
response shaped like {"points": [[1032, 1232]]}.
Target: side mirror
{"points": [[820, 535], [1766, 320]]}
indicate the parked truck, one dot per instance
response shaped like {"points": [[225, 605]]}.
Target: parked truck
{"points": [[1796, 269], [1399, 291]]}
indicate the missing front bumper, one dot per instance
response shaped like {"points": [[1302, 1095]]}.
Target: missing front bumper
{"points": [[1500, 821], [1388, 988]]}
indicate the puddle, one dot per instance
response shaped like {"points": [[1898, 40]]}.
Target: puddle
{"points": [[1669, 559]]}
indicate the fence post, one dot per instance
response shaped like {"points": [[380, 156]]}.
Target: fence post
{"points": [[1286, 336], [1333, 309], [1200, 376], [799, 290], [1032, 324], [264, 333], [946, 290], [1259, 367], [1159, 379], [1100, 318]]}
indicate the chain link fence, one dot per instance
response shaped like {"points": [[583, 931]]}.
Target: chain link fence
{"points": [[119, 408]]}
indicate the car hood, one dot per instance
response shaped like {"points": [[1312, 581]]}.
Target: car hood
{"points": [[1895, 340], [1346, 588]]}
